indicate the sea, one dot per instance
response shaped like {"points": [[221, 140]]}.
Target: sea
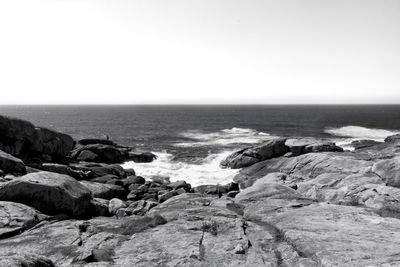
{"points": [[190, 141]]}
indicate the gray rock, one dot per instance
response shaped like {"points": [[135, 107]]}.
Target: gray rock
{"points": [[16, 218], [166, 196], [25, 260], [145, 157], [389, 171], [249, 156], [62, 169], [105, 191], [115, 204], [11, 164], [51, 193]]}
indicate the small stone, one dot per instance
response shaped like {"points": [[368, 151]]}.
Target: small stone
{"points": [[115, 204]]}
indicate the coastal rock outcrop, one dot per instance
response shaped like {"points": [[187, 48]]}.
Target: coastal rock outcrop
{"points": [[301, 146], [50, 193], [11, 164], [276, 148], [22, 139], [249, 156], [16, 218]]}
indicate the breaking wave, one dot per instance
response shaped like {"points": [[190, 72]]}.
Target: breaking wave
{"points": [[207, 171], [224, 137], [358, 133]]}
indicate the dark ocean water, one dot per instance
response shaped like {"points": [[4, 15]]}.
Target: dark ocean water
{"points": [[204, 134]]}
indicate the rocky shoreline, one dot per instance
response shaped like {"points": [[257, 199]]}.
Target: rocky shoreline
{"points": [[302, 202]]}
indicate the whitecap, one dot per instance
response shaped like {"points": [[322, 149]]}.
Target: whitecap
{"points": [[358, 133], [207, 171], [223, 137]]}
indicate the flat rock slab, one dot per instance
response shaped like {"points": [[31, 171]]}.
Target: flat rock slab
{"points": [[51, 193], [334, 235], [25, 260], [16, 218]]}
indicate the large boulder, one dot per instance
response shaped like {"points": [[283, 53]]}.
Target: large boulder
{"points": [[51, 193], [307, 145], [100, 153], [100, 169], [105, 191], [144, 157], [388, 170], [251, 155], [392, 138], [11, 164], [16, 218], [62, 169], [22, 138], [53, 143], [305, 166]]}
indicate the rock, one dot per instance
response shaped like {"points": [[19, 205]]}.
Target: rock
{"points": [[165, 196], [333, 235], [232, 187], [25, 260], [15, 134], [105, 191], [50, 142], [99, 153], [307, 145], [210, 189], [100, 169], [88, 156], [142, 157], [180, 184], [263, 189], [232, 194], [11, 164], [51, 193], [249, 156], [132, 180], [16, 218], [392, 138], [77, 243], [140, 207], [100, 206], [389, 171], [359, 144], [115, 204], [180, 191], [305, 166], [62, 169], [22, 139], [104, 179]]}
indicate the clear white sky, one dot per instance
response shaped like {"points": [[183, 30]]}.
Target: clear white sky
{"points": [[199, 51]]}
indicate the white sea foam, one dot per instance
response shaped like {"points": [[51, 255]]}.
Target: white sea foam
{"points": [[205, 172], [223, 137], [358, 133]]}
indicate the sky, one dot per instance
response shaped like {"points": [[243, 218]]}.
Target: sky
{"points": [[199, 52]]}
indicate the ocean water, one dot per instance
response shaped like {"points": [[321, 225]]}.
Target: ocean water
{"points": [[190, 141]]}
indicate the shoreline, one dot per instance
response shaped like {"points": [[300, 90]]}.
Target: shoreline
{"points": [[301, 202]]}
